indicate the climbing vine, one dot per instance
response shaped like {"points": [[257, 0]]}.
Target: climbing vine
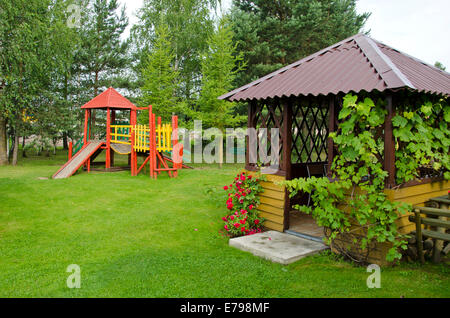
{"points": [[423, 141], [355, 193]]}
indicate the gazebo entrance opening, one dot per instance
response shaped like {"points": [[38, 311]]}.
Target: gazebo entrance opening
{"points": [[309, 157], [304, 147]]}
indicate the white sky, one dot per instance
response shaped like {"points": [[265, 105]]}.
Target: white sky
{"points": [[416, 27]]}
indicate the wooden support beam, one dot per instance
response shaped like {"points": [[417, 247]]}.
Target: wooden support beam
{"points": [[286, 164], [389, 144], [331, 128], [86, 123], [108, 138], [251, 123]]}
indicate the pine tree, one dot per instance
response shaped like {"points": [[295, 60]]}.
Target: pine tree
{"points": [[160, 78], [273, 34], [102, 56], [189, 23], [220, 64]]}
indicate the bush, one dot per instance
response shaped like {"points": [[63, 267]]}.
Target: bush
{"points": [[242, 202]]}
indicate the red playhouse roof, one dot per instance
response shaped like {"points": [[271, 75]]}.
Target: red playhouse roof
{"points": [[109, 99]]}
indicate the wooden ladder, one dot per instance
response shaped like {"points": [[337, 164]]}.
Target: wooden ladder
{"points": [[436, 218]]}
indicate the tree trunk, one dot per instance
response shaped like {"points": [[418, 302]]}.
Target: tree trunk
{"points": [[24, 155], [16, 149], [3, 147], [65, 141]]}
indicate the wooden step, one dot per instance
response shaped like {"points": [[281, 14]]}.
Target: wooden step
{"points": [[443, 199], [432, 222], [436, 235], [433, 211]]}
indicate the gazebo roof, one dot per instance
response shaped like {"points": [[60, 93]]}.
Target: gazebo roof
{"points": [[356, 64], [109, 99]]}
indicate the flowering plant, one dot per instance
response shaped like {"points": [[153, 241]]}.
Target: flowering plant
{"points": [[242, 201]]}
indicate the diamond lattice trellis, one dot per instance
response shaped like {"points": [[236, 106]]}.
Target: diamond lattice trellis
{"points": [[309, 133]]}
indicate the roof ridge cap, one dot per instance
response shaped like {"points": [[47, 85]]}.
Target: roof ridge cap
{"points": [[382, 64], [412, 57]]}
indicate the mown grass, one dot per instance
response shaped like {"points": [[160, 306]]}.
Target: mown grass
{"points": [[137, 237]]}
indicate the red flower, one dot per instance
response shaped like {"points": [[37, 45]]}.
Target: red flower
{"points": [[243, 211], [225, 188], [236, 224], [250, 206], [256, 221], [226, 227], [224, 218], [231, 217], [249, 177], [242, 222], [243, 177], [242, 229]]}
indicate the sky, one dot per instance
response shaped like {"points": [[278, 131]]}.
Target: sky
{"points": [[416, 27]]}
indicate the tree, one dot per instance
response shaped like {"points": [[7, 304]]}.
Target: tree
{"points": [[102, 55], [440, 66], [220, 64], [159, 77], [31, 49], [273, 34], [189, 24]]}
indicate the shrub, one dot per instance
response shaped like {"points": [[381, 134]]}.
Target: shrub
{"points": [[242, 201]]}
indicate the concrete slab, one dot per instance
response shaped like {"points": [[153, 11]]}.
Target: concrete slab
{"points": [[277, 247]]}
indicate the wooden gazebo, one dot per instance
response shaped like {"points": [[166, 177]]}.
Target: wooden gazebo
{"points": [[303, 100]]}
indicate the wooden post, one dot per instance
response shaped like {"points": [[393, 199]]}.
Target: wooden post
{"points": [[70, 149], [111, 152], [159, 136], [86, 123], [151, 135], [251, 123], [174, 144], [133, 159], [419, 237], [389, 145], [153, 147], [108, 138], [331, 128], [439, 244], [286, 160]]}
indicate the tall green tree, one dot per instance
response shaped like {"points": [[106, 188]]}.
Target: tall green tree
{"points": [[274, 33], [102, 58], [160, 77], [220, 65], [189, 22], [31, 50], [440, 66]]}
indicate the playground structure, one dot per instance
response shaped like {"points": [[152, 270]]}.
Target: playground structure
{"points": [[156, 142]]}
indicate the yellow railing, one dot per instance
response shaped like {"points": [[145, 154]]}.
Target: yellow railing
{"points": [[117, 135], [164, 137], [141, 136]]}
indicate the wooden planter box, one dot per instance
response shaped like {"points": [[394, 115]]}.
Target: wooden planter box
{"points": [[274, 202]]}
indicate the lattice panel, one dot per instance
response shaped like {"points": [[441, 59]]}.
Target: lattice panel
{"points": [[269, 115], [309, 133]]}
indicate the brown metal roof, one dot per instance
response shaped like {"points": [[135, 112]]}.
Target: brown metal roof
{"points": [[356, 64]]}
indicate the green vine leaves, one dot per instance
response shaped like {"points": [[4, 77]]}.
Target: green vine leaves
{"points": [[355, 194]]}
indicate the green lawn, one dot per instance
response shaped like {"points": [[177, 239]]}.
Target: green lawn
{"points": [[137, 237]]}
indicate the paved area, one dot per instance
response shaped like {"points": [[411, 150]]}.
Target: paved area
{"points": [[277, 247]]}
